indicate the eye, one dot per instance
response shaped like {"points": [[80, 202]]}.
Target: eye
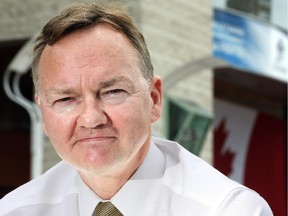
{"points": [[114, 96], [114, 91], [62, 100], [65, 101]]}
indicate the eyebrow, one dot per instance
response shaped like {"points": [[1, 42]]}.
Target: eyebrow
{"points": [[115, 80], [60, 91]]}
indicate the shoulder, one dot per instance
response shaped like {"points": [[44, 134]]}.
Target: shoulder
{"points": [[192, 172], [193, 179], [245, 202], [50, 187]]}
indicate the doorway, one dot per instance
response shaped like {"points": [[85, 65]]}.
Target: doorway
{"points": [[14, 127]]}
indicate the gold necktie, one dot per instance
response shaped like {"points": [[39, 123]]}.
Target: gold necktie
{"points": [[106, 209]]}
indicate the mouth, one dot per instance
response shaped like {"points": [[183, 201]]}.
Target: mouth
{"points": [[96, 140]]}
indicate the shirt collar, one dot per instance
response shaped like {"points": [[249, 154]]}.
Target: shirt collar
{"points": [[87, 198], [153, 166], [133, 195]]}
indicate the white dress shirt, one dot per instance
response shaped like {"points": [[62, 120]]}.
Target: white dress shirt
{"points": [[170, 181]]}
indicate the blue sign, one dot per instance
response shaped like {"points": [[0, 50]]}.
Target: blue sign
{"points": [[250, 44]]}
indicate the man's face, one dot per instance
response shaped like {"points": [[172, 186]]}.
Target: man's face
{"points": [[96, 106]]}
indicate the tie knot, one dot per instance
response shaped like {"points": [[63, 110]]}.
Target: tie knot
{"points": [[106, 209]]}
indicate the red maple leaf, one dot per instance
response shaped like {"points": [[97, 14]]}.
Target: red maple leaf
{"points": [[222, 159]]}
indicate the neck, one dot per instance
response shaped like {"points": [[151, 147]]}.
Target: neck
{"points": [[104, 187]]}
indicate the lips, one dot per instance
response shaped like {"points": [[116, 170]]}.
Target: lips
{"points": [[96, 139]]}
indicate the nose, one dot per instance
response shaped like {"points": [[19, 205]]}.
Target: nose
{"points": [[92, 115]]}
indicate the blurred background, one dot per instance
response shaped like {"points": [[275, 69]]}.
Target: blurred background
{"points": [[224, 65]]}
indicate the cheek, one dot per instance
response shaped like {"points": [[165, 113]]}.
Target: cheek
{"points": [[133, 118], [58, 127]]}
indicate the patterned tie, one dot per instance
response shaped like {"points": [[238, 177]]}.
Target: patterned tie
{"points": [[106, 209]]}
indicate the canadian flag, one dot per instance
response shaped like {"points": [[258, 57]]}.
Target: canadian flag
{"points": [[250, 147]]}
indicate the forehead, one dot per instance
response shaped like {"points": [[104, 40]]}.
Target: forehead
{"points": [[99, 49], [101, 41]]}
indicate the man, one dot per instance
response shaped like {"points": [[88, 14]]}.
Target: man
{"points": [[98, 96]]}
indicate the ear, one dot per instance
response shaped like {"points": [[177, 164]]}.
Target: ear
{"points": [[37, 99], [156, 98]]}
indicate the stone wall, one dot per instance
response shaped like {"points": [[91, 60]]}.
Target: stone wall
{"points": [[178, 32], [22, 19]]}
